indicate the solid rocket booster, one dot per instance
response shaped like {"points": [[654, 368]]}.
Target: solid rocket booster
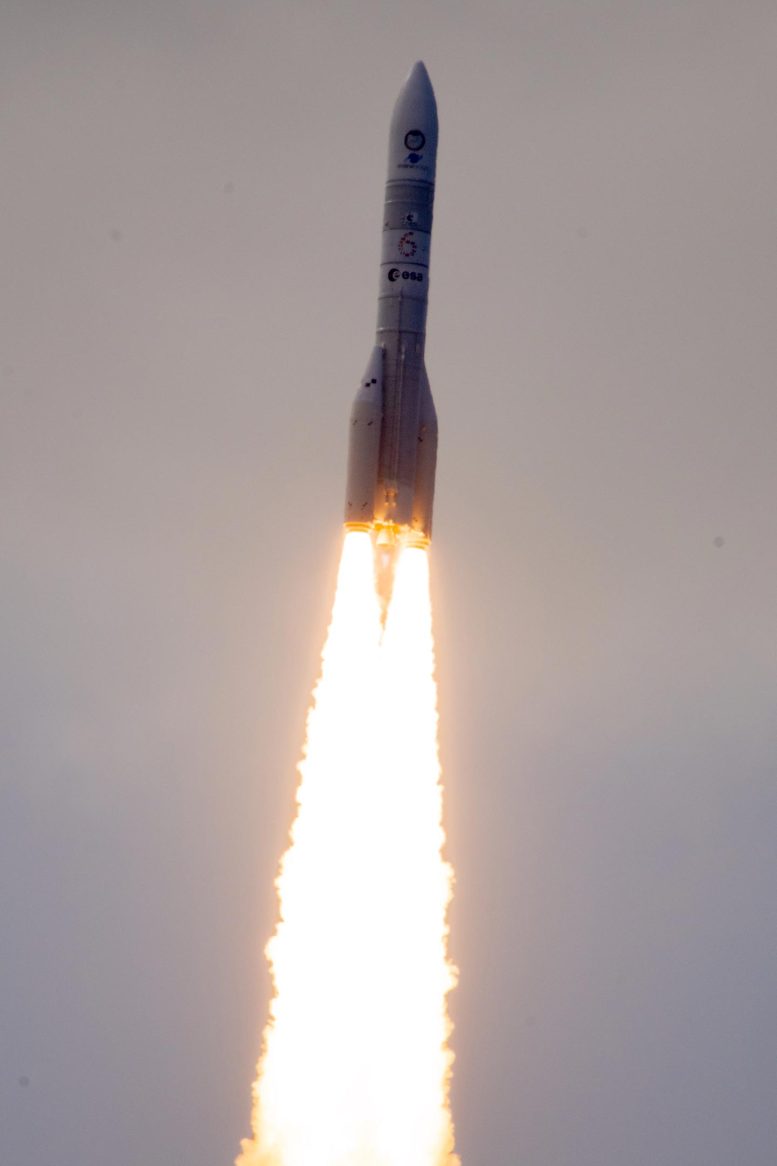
{"points": [[393, 433]]}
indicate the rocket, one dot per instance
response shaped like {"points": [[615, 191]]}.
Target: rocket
{"points": [[392, 450]]}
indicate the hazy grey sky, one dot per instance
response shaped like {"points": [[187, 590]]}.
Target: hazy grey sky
{"points": [[192, 201]]}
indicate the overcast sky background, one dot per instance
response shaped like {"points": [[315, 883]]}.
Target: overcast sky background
{"points": [[192, 197]]}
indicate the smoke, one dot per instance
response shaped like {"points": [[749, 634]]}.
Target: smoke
{"points": [[355, 1065]]}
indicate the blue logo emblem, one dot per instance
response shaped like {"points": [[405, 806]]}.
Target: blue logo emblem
{"points": [[413, 159]]}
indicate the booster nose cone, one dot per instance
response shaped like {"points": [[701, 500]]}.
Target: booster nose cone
{"points": [[413, 135]]}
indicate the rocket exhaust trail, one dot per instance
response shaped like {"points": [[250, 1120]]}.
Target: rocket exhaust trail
{"points": [[355, 1066], [355, 1063]]}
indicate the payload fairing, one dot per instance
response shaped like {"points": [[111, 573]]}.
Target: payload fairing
{"points": [[393, 433]]}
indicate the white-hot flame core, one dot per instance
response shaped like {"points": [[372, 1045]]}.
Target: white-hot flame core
{"points": [[355, 1066]]}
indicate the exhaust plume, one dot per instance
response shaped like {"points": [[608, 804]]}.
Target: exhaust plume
{"points": [[355, 1064]]}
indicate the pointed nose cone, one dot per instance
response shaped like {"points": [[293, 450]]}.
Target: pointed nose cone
{"points": [[413, 136], [418, 79]]}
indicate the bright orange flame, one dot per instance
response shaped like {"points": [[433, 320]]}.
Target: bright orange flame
{"points": [[355, 1066]]}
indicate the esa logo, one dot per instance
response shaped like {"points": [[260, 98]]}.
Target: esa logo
{"points": [[395, 274]]}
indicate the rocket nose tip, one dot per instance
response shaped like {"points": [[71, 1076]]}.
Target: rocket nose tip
{"points": [[418, 86], [419, 74]]}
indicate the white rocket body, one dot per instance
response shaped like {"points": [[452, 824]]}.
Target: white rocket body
{"points": [[393, 437]]}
